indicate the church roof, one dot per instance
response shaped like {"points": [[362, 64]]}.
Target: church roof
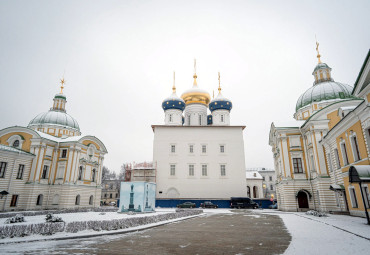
{"points": [[12, 149]]}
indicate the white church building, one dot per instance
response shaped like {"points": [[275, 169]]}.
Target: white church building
{"points": [[198, 156]]}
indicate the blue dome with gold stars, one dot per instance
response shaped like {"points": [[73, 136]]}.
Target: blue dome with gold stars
{"points": [[220, 103], [173, 102]]}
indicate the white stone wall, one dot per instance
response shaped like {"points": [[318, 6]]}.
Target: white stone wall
{"points": [[213, 186], [221, 118], [194, 111], [173, 117]]}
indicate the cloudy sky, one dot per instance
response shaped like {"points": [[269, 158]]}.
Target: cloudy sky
{"points": [[118, 57]]}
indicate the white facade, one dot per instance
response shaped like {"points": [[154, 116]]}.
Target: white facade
{"points": [[200, 170], [254, 184]]}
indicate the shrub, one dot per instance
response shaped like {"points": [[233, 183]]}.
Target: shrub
{"points": [[51, 218], [17, 218]]}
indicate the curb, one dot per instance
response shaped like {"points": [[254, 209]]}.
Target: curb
{"points": [[137, 229]]}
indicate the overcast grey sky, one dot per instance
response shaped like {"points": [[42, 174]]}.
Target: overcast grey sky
{"points": [[117, 58]]}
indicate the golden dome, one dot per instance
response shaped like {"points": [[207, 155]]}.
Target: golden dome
{"points": [[195, 95]]}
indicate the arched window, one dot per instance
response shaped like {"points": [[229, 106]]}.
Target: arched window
{"points": [[56, 199], [255, 191], [80, 173], [93, 175], [91, 200], [248, 191], [16, 144], [39, 199], [77, 202]]}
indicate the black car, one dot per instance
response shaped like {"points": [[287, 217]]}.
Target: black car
{"points": [[186, 205], [243, 202], [208, 204]]}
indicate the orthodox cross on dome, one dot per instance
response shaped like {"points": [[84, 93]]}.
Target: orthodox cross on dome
{"points": [[62, 81], [317, 49], [195, 73], [219, 83], [174, 87]]}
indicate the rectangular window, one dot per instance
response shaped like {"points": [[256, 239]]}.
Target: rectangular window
{"points": [[344, 153], [20, 171], [191, 148], [45, 172], [14, 201], [270, 178], [223, 170], [222, 148], [191, 170], [170, 117], [352, 194], [271, 187], [263, 177], [204, 170], [356, 152], [337, 161], [200, 120], [222, 118], [64, 153], [173, 148], [297, 165], [189, 120], [173, 170], [2, 169], [204, 148]]}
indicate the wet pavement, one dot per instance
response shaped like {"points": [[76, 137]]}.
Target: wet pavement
{"points": [[242, 232]]}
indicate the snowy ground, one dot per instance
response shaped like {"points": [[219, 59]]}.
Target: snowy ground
{"points": [[335, 234]]}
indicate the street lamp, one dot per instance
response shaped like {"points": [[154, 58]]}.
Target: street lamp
{"points": [[264, 186]]}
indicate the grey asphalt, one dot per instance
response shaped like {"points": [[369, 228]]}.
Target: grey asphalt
{"points": [[243, 232]]}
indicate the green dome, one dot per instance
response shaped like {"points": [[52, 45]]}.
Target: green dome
{"points": [[324, 91]]}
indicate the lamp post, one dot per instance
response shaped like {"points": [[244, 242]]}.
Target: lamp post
{"points": [[265, 187]]}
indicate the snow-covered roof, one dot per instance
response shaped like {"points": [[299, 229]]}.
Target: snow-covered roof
{"points": [[12, 149], [253, 175], [59, 139], [289, 124]]}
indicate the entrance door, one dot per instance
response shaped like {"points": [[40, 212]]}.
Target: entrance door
{"points": [[302, 200]]}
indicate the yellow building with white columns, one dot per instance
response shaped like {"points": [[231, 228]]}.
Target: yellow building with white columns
{"points": [[348, 144], [48, 164], [305, 180]]}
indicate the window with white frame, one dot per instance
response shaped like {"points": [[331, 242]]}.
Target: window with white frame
{"points": [[222, 118], [45, 172], [271, 187], [365, 191], [297, 165], [204, 148], [204, 170], [80, 171], [2, 169], [352, 195], [172, 170], [20, 171], [355, 150], [270, 178], [170, 117], [191, 148], [200, 120], [222, 148], [64, 153], [189, 120], [191, 170], [337, 160], [16, 144], [344, 153], [173, 148], [223, 170]]}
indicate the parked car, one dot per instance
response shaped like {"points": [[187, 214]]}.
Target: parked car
{"points": [[243, 202], [186, 205], [273, 206], [208, 204], [112, 203]]}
